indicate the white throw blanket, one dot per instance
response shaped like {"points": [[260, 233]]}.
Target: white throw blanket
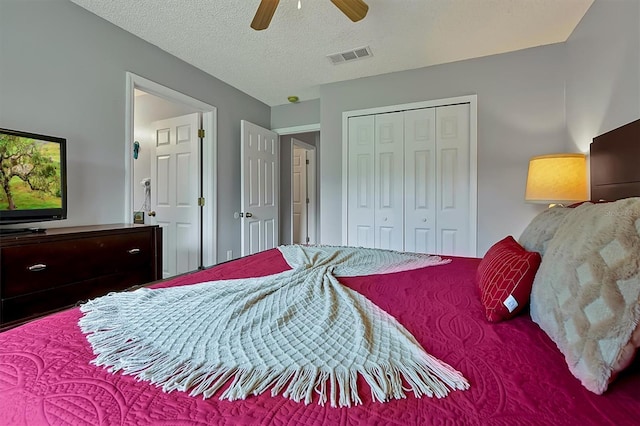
{"points": [[298, 332]]}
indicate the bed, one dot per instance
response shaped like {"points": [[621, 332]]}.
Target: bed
{"points": [[516, 373]]}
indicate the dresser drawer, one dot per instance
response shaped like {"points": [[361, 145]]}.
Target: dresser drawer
{"points": [[35, 267], [53, 299]]}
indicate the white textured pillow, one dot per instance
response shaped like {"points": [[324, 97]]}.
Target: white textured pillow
{"points": [[585, 294], [542, 228]]}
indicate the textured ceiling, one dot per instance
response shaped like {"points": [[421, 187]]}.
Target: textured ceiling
{"points": [[289, 58]]}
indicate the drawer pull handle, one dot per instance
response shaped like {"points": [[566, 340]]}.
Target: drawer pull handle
{"points": [[133, 251], [37, 267]]}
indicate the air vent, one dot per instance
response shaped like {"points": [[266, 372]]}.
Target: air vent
{"points": [[350, 55]]}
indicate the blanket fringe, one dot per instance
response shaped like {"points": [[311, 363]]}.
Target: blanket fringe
{"points": [[338, 386]]}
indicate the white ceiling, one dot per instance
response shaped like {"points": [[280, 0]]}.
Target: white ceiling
{"points": [[289, 58]]}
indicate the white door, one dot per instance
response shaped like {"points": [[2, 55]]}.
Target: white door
{"points": [[420, 180], [453, 188], [300, 196], [389, 181], [260, 170], [174, 191], [360, 182]]}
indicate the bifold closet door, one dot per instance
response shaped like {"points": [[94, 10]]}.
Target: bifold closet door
{"points": [[360, 183], [452, 180], [409, 181], [389, 181], [420, 180]]}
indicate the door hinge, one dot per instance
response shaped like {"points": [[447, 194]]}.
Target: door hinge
{"points": [[307, 161], [308, 239], [307, 201], [201, 201], [201, 133]]}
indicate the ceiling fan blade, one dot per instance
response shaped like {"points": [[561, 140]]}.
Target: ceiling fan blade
{"points": [[264, 14], [354, 9]]}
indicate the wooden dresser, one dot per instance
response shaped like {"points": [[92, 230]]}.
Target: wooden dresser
{"points": [[46, 272]]}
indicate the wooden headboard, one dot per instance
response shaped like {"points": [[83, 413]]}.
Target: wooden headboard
{"points": [[615, 163]]}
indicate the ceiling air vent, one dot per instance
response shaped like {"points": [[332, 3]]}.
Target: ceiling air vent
{"points": [[350, 55]]}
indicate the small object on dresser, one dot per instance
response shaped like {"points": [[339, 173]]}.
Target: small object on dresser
{"points": [[138, 217]]}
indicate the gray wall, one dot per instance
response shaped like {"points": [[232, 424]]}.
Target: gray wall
{"points": [[520, 114], [62, 72], [522, 110], [603, 71], [298, 114]]}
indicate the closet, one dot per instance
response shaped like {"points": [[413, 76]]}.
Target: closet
{"points": [[409, 181]]}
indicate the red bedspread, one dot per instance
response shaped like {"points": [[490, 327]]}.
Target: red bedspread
{"points": [[517, 375]]}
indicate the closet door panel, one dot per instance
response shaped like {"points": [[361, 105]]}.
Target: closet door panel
{"points": [[420, 180], [452, 182], [360, 205], [409, 183], [389, 181]]}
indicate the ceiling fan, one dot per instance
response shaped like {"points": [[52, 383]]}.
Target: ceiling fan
{"points": [[354, 9]]}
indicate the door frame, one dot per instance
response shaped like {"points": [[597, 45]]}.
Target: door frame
{"points": [[208, 157], [472, 100], [293, 130], [311, 194]]}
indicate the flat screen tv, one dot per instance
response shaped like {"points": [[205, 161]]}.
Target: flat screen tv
{"points": [[33, 177]]}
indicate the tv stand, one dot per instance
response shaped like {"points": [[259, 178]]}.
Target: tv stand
{"points": [[43, 272], [22, 231]]}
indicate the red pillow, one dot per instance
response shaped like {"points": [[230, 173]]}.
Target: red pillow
{"points": [[505, 276]]}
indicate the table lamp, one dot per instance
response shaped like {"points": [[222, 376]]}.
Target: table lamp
{"points": [[556, 179]]}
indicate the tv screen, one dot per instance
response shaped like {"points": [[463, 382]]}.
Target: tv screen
{"points": [[33, 180]]}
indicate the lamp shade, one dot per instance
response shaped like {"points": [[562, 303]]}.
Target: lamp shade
{"points": [[557, 178]]}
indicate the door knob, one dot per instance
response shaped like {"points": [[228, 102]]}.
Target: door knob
{"points": [[152, 213], [247, 214]]}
